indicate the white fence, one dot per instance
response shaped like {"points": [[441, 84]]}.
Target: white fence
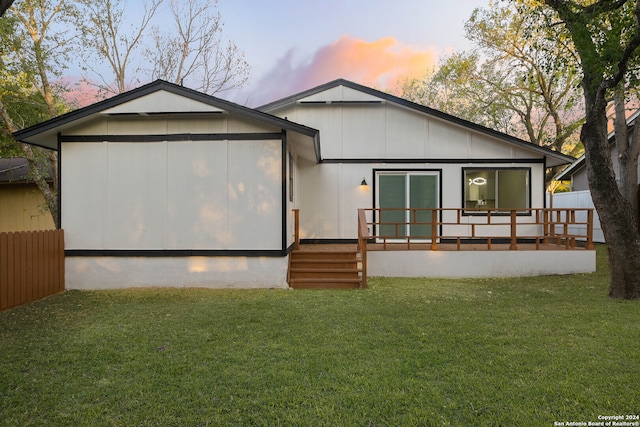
{"points": [[577, 199]]}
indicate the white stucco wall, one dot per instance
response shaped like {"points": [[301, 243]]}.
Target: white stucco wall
{"points": [[207, 272], [459, 264]]}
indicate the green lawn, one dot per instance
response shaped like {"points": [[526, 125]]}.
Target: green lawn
{"points": [[510, 352]]}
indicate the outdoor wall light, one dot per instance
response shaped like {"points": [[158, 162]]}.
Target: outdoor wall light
{"points": [[364, 182]]}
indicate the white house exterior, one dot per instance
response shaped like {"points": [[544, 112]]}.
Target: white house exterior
{"points": [[395, 144], [166, 186], [163, 186]]}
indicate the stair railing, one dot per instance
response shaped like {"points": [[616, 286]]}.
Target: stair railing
{"points": [[296, 229], [363, 237]]}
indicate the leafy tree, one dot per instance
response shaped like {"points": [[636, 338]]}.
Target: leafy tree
{"points": [[33, 54], [455, 88], [514, 81], [605, 37], [529, 74]]}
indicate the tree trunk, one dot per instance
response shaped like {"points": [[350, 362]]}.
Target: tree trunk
{"points": [[616, 214], [41, 182], [628, 146], [596, 51]]}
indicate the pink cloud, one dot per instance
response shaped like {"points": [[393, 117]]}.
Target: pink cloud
{"points": [[382, 63], [80, 92]]}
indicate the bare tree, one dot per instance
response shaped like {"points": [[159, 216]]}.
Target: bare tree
{"points": [[106, 40], [194, 51]]}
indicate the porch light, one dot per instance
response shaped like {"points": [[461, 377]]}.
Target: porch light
{"points": [[364, 182]]}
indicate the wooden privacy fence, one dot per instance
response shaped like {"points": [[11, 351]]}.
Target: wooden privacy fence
{"points": [[31, 266]]}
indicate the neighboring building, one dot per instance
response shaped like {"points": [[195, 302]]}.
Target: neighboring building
{"points": [[163, 185], [22, 206]]}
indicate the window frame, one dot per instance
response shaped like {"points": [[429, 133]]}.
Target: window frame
{"points": [[407, 173], [494, 211]]}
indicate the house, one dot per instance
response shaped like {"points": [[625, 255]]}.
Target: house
{"points": [[163, 185], [22, 206]]}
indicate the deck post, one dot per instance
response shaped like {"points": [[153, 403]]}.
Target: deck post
{"points": [[363, 236], [434, 230], [546, 227], [296, 221], [590, 229], [514, 244], [565, 229]]}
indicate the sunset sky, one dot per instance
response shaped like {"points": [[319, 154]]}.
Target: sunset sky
{"points": [[293, 45]]}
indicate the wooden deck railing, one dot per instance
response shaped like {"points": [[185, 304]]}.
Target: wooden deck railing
{"points": [[540, 226]]}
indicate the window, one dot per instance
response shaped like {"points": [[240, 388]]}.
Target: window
{"points": [[497, 188]]}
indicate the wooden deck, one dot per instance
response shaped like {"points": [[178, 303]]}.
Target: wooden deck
{"points": [[455, 243], [330, 247]]}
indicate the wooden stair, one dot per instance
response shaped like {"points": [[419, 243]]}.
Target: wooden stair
{"points": [[326, 269]]}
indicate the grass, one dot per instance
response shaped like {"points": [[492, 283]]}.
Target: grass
{"points": [[523, 351]]}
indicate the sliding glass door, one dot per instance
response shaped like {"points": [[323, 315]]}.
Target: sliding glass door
{"points": [[398, 194]]}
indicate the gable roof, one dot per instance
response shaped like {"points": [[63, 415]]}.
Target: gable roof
{"points": [[369, 95], [44, 134]]}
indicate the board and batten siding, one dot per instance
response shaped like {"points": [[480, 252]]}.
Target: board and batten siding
{"points": [[389, 131], [362, 134], [214, 195], [330, 194]]}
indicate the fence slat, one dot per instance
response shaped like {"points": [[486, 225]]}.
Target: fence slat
{"points": [[31, 266], [24, 267], [4, 271], [11, 270]]}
